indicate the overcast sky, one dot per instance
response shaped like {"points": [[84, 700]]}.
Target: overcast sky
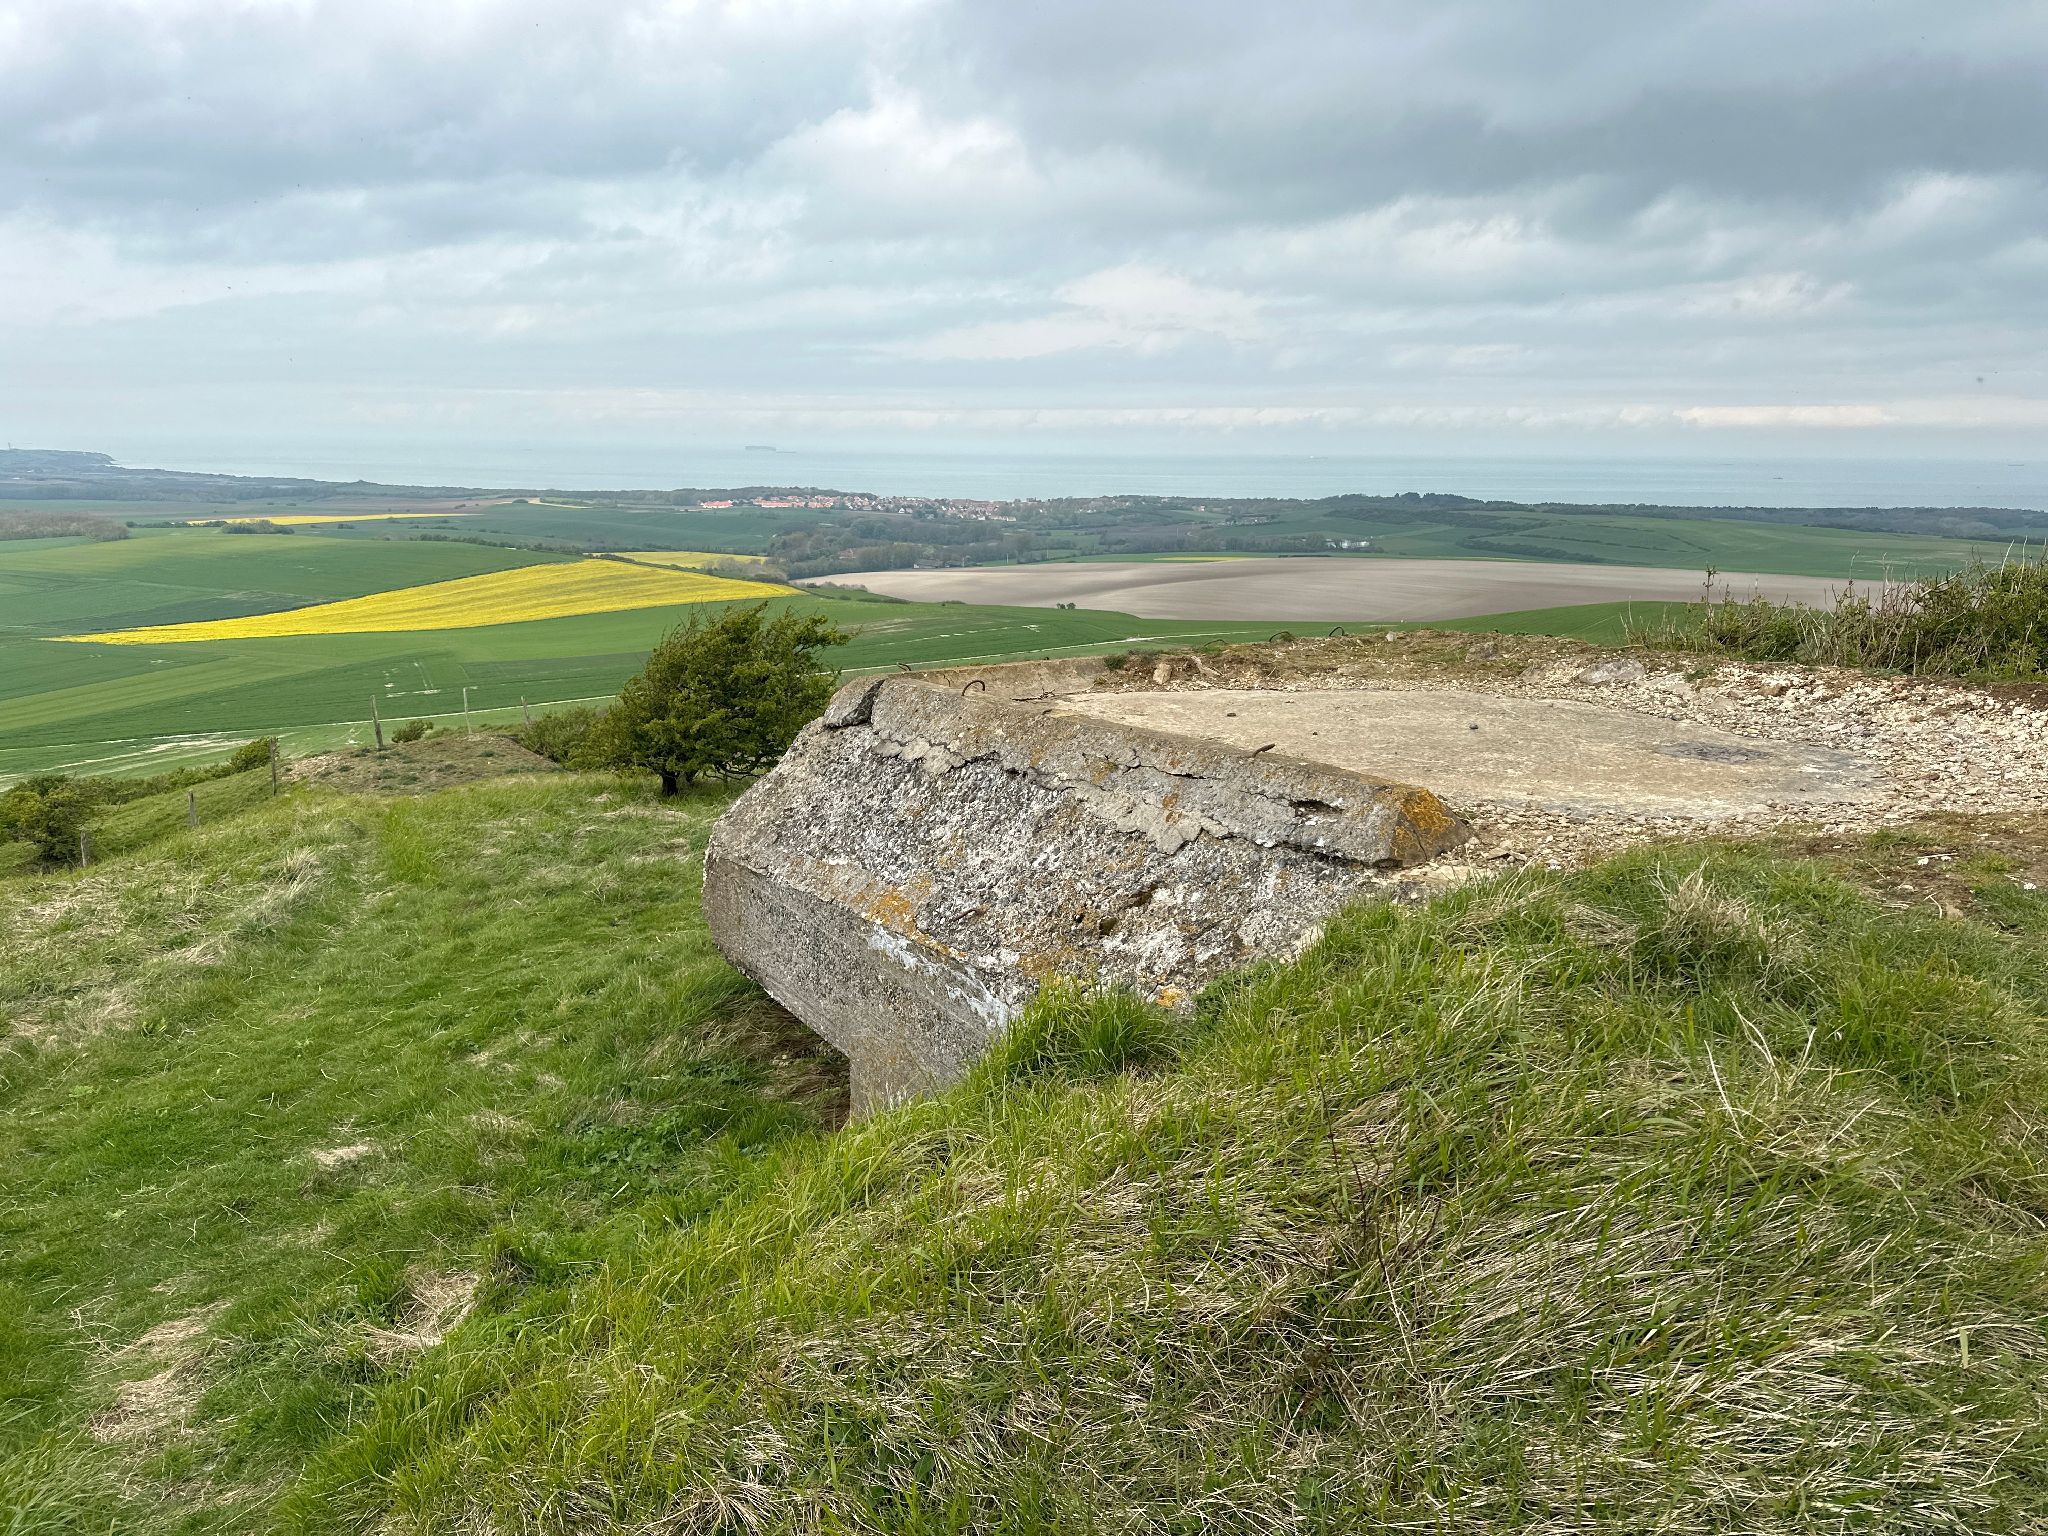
{"points": [[1515, 226]]}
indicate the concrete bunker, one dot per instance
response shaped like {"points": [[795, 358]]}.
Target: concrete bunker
{"points": [[938, 845], [934, 848]]}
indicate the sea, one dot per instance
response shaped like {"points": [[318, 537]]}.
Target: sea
{"points": [[1007, 473]]}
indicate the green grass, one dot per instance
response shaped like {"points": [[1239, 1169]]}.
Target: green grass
{"points": [[1594, 623], [1698, 1192], [1694, 1194], [140, 823], [501, 998]]}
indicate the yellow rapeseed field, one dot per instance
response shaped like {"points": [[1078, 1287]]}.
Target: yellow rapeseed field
{"points": [[469, 602], [300, 519]]}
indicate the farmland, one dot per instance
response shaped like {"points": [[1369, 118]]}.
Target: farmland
{"points": [[120, 708], [56, 587], [417, 598], [308, 519], [523, 595], [1334, 590], [1585, 535]]}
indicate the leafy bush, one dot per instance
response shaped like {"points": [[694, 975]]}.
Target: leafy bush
{"points": [[253, 754], [412, 730], [47, 813], [560, 735], [721, 698]]}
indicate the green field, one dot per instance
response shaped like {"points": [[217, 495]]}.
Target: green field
{"points": [[132, 708], [63, 586]]}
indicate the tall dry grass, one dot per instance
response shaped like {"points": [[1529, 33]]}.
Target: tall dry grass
{"points": [[1984, 622]]}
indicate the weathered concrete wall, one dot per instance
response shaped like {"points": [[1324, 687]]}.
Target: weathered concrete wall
{"points": [[924, 858]]}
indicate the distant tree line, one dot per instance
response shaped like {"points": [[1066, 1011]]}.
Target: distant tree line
{"points": [[60, 525]]}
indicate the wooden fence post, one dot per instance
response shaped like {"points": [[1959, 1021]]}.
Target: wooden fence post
{"points": [[84, 849], [376, 722], [192, 807], [526, 709], [467, 728], [273, 765]]}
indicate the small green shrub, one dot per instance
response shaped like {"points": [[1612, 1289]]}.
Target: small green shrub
{"points": [[412, 730], [47, 813], [253, 754], [719, 698], [561, 735]]}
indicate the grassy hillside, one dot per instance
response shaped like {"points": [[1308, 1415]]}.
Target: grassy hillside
{"points": [[1696, 1194], [278, 1100], [414, 1164]]}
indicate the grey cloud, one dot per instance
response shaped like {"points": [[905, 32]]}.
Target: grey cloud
{"points": [[1335, 208]]}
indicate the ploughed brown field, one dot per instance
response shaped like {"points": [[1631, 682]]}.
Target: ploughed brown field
{"points": [[1336, 588]]}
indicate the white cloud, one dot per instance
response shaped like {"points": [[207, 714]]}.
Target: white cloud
{"points": [[1134, 307]]}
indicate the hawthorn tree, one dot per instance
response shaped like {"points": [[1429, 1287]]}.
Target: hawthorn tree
{"points": [[721, 699]]}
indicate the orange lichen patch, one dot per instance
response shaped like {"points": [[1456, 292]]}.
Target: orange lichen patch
{"points": [[1426, 822], [893, 909]]}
